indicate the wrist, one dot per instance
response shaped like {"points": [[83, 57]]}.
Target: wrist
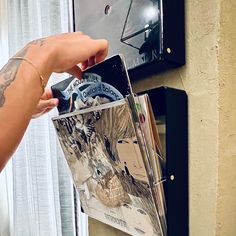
{"points": [[43, 81], [42, 57]]}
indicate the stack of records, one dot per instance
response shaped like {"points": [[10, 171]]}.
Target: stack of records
{"points": [[110, 141]]}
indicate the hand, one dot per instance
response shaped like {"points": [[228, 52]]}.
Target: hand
{"points": [[45, 104], [60, 53], [64, 52]]}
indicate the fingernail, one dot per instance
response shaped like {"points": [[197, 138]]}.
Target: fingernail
{"points": [[55, 101]]}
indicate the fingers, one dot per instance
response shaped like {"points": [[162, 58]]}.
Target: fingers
{"points": [[91, 50], [86, 49], [100, 53], [96, 51], [84, 65], [88, 63], [102, 50], [47, 94], [75, 71], [91, 61], [50, 103], [45, 106], [63, 52]]}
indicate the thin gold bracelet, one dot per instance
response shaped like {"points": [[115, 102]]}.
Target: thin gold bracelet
{"points": [[34, 66]]}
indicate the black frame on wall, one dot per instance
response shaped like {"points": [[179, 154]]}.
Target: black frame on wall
{"points": [[170, 42], [174, 53], [172, 104]]}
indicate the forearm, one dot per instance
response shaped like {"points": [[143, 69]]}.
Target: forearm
{"points": [[20, 92], [20, 81]]}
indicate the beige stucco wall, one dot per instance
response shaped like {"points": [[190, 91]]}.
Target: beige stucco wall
{"points": [[226, 204], [208, 80]]}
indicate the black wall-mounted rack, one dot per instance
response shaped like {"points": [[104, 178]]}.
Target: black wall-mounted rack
{"points": [[172, 105], [163, 42]]}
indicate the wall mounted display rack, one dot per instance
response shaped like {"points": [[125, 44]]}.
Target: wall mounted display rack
{"points": [[149, 33]]}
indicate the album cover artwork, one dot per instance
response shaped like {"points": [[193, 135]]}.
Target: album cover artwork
{"points": [[105, 157], [104, 82], [133, 28]]}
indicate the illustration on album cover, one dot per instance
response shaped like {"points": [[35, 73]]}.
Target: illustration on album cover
{"points": [[112, 148], [105, 82], [112, 185]]}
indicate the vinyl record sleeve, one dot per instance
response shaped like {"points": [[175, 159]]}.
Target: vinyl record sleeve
{"points": [[157, 160], [104, 82], [107, 164], [112, 154]]}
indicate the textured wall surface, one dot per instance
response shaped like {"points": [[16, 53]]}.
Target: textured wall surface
{"points": [[209, 80], [199, 78], [226, 207]]}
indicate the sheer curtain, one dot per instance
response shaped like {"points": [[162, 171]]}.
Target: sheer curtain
{"points": [[5, 175], [43, 197]]}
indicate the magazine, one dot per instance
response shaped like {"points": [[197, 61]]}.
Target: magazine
{"points": [[114, 153]]}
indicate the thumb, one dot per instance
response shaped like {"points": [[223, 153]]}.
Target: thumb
{"points": [[53, 102], [44, 104]]}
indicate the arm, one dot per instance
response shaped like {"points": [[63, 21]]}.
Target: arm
{"points": [[20, 85]]}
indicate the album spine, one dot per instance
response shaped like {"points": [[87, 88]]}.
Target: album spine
{"points": [[146, 159]]}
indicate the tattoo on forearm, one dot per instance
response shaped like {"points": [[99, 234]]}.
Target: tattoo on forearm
{"points": [[9, 71], [39, 42], [8, 75]]}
